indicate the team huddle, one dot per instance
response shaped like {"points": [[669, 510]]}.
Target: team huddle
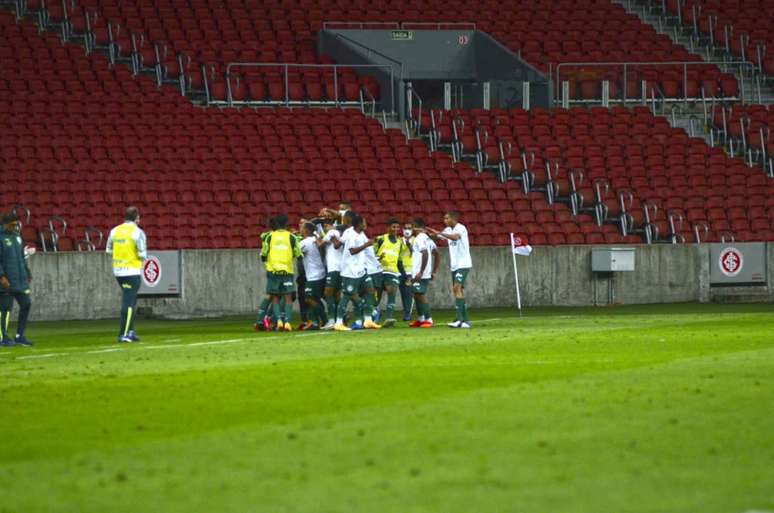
{"points": [[340, 265]]}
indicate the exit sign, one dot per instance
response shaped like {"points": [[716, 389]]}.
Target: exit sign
{"points": [[402, 35]]}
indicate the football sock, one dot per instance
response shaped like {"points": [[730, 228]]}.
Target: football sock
{"points": [[262, 309], [459, 307], [288, 311], [390, 304]]}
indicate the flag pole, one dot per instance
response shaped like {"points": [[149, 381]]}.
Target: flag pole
{"points": [[516, 274]]}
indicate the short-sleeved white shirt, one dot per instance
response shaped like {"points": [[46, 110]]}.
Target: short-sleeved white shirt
{"points": [[353, 266], [373, 266], [459, 250], [333, 255], [422, 243], [314, 268]]}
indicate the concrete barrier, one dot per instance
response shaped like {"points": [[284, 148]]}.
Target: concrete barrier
{"points": [[231, 282]]}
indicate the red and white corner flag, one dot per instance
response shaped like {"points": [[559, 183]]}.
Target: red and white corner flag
{"points": [[520, 246]]}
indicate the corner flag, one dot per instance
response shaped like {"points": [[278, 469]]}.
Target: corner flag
{"points": [[519, 246]]}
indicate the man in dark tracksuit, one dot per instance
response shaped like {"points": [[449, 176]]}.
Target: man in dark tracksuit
{"points": [[14, 281]]}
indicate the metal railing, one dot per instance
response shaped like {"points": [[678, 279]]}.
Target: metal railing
{"points": [[386, 25], [627, 70], [286, 67], [411, 95]]}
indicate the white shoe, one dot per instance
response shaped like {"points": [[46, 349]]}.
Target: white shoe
{"points": [[329, 325], [455, 324], [464, 325]]}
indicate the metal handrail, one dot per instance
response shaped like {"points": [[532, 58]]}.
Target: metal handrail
{"points": [[410, 95], [99, 235], [627, 65], [398, 24], [366, 93], [27, 214], [287, 65], [362, 24], [85, 245], [61, 220], [438, 24]]}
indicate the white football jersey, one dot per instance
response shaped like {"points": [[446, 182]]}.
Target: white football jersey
{"points": [[459, 250]]}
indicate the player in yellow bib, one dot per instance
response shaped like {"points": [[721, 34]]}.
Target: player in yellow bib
{"points": [[391, 250], [128, 245], [279, 252]]}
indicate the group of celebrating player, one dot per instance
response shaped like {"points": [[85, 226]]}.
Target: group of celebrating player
{"points": [[340, 264]]}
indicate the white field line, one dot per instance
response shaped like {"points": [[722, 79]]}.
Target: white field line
{"points": [[138, 347], [36, 356], [108, 350]]}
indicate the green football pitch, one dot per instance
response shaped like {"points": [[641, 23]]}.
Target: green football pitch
{"points": [[630, 409]]}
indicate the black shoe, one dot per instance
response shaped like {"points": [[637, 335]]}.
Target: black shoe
{"points": [[21, 340], [133, 336], [7, 342]]}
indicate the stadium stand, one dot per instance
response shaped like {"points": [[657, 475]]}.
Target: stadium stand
{"points": [[192, 42], [84, 139], [204, 177], [735, 28], [626, 167], [745, 130]]}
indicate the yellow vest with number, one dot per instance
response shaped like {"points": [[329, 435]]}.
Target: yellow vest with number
{"points": [[280, 254], [389, 254], [125, 248]]}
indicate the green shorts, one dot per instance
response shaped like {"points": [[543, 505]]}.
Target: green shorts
{"points": [[280, 284], [333, 280], [314, 288], [420, 287], [460, 275], [355, 285], [390, 280], [377, 280]]}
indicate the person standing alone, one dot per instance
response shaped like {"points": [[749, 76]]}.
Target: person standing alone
{"points": [[128, 245], [14, 281]]}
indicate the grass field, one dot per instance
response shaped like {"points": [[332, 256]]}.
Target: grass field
{"points": [[629, 409]]}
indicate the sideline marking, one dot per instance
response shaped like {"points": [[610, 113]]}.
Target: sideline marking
{"points": [[110, 349], [36, 356]]}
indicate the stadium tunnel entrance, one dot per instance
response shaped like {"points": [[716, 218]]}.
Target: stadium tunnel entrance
{"points": [[455, 68]]}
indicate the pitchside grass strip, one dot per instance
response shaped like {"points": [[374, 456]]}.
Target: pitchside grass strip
{"points": [[640, 409]]}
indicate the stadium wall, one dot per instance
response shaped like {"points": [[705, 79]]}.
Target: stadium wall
{"points": [[231, 282]]}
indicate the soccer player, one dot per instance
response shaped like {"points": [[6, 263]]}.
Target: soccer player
{"points": [[334, 249], [460, 262], [15, 279], [337, 215], [279, 251], [128, 245], [373, 286], [353, 274], [405, 265], [423, 268], [390, 250], [263, 320], [314, 269]]}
